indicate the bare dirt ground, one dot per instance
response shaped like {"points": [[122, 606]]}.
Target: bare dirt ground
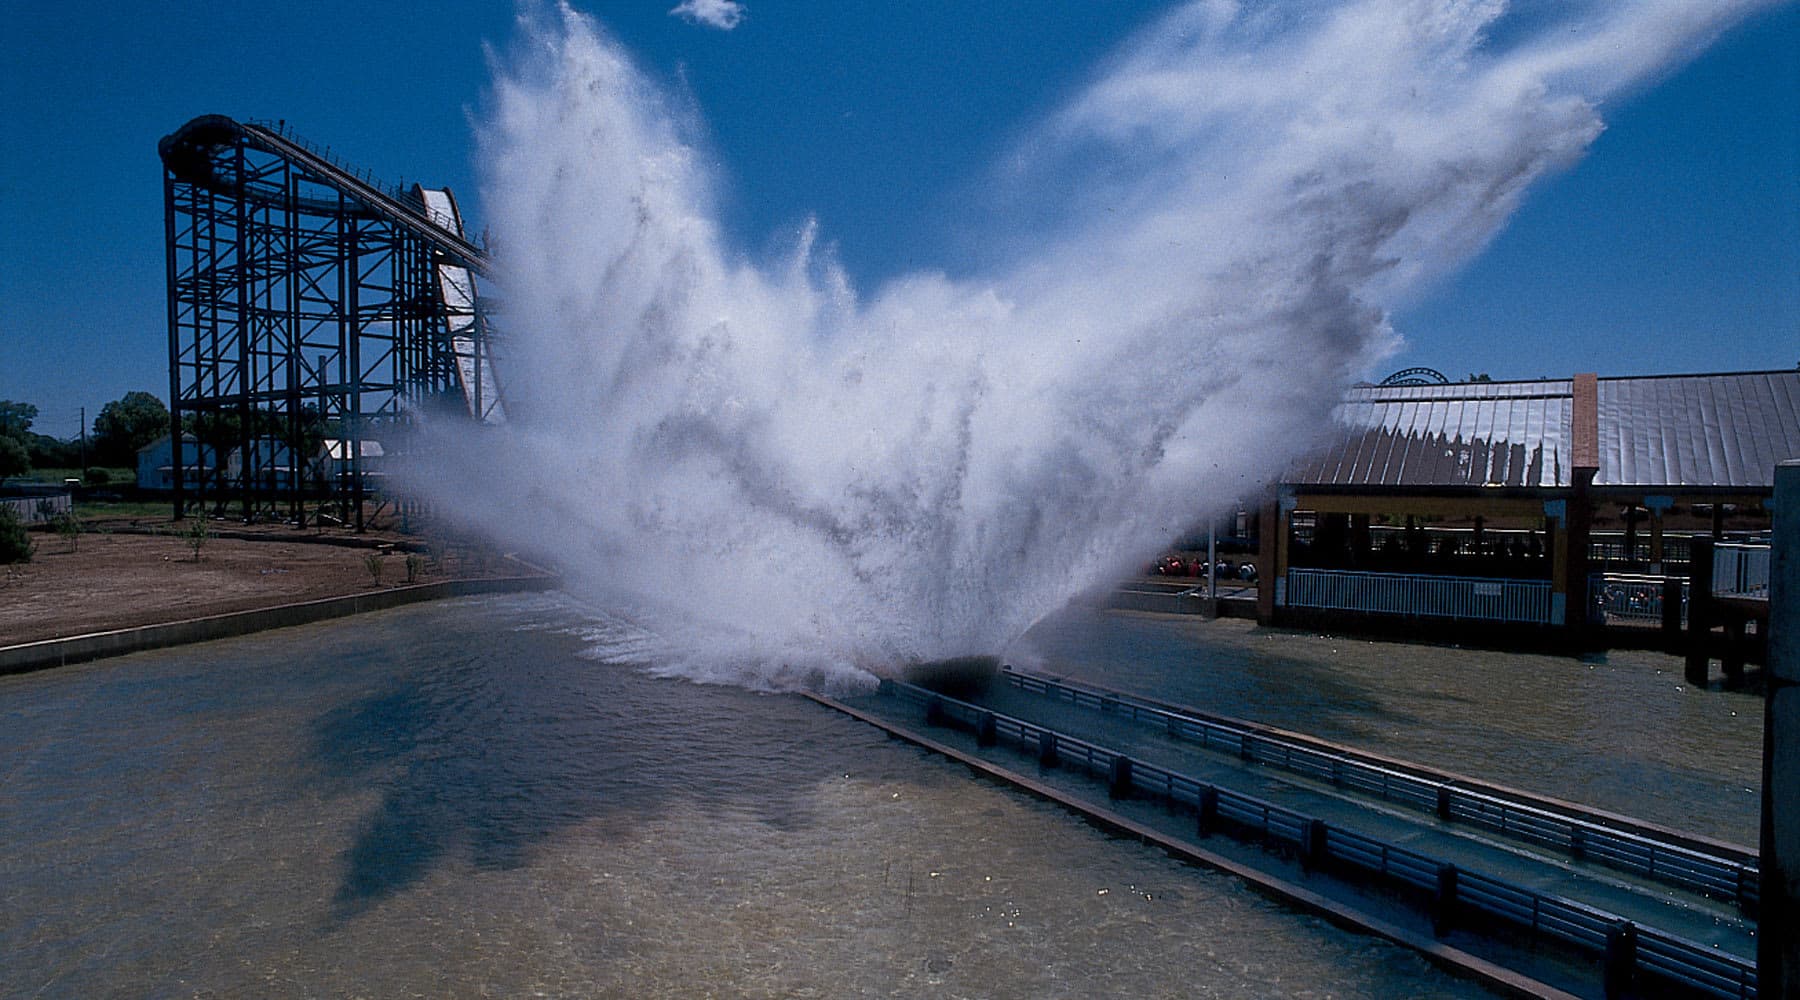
{"points": [[116, 578]]}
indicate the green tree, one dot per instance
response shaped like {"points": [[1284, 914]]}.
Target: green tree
{"points": [[16, 418], [49, 453], [15, 432], [14, 459], [127, 424]]}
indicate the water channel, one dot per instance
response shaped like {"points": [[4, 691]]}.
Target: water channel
{"points": [[458, 800]]}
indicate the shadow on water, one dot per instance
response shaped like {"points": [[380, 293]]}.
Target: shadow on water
{"points": [[481, 751]]}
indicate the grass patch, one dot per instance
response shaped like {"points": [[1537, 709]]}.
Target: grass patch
{"points": [[140, 509]]}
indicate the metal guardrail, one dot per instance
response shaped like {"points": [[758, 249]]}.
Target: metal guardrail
{"points": [[1732, 879], [1741, 570], [1628, 949], [1483, 598], [1634, 598]]}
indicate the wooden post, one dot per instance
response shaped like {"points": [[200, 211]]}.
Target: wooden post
{"points": [[1576, 538], [1443, 909], [1671, 612], [1621, 960], [1208, 811], [1120, 785], [1699, 626], [1271, 525], [1312, 843], [1778, 931]]}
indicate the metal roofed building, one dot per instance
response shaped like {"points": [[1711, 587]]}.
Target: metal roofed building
{"points": [[1496, 500]]}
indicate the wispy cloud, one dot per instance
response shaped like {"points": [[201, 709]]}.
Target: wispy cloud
{"points": [[721, 14]]}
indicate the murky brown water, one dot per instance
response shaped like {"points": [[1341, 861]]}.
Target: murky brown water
{"points": [[1620, 731], [450, 801]]}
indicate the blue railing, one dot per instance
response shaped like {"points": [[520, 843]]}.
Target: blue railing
{"points": [[1452, 890], [1476, 598], [1718, 873]]}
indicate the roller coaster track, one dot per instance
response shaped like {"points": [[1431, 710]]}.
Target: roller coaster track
{"points": [[192, 154]]}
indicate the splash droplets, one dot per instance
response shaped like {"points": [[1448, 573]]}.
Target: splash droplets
{"points": [[799, 482]]}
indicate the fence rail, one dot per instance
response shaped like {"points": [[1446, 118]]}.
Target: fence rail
{"points": [[38, 509], [1741, 570], [1717, 875], [1451, 891], [1489, 599]]}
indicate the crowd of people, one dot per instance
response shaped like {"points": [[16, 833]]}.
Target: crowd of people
{"points": [[1195, 566]]}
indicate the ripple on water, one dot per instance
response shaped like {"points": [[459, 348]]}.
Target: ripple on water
{"points": [[439, 801]]}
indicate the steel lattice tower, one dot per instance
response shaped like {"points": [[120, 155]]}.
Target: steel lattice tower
{"points": [[306, 304]]}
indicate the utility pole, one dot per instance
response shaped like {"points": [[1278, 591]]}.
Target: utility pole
{"points": [[83, 443]]}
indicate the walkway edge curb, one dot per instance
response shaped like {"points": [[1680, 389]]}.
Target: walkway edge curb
{"points": [[50, 653], [1454, 959]]}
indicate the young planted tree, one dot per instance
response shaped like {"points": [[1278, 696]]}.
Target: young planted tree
{"points": [[196, 534]]}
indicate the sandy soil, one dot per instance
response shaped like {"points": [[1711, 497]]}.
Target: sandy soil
{"points": [[115, 579]]}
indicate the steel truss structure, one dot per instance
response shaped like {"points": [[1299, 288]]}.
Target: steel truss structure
{"points": [[313, 315]]}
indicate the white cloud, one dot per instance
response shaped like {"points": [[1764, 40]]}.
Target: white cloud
{"points": [[721, 14]]}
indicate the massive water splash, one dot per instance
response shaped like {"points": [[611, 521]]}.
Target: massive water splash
{"points": [[790, 479]]}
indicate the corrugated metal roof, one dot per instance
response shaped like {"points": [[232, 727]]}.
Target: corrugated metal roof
{"points": [[1470, 434], [1698, 430], [1726, 430]]}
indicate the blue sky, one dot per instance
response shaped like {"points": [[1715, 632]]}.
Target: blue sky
{"points": [[1673, 246]]}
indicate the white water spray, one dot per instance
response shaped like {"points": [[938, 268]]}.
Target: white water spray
{"points": [[818, 481]]}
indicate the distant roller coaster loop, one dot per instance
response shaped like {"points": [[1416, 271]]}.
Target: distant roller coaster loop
{"points": [[1416, 376]]}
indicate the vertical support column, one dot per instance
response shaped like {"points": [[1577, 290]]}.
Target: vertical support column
{"points": [[352, 346], [175, 455], [1271, 525], [1659, 506], [245, 363], [1584, 454], [1212, 562], [1556, 516], [1778, 932], [1577, 535]]}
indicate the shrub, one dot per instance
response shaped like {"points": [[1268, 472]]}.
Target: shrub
{"points": [[414, 563], [16, 545], [68, 528], [195, 534], [374, 562]]}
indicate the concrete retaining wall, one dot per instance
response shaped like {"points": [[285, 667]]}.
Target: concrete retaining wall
{"points": [[76, 649]]}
